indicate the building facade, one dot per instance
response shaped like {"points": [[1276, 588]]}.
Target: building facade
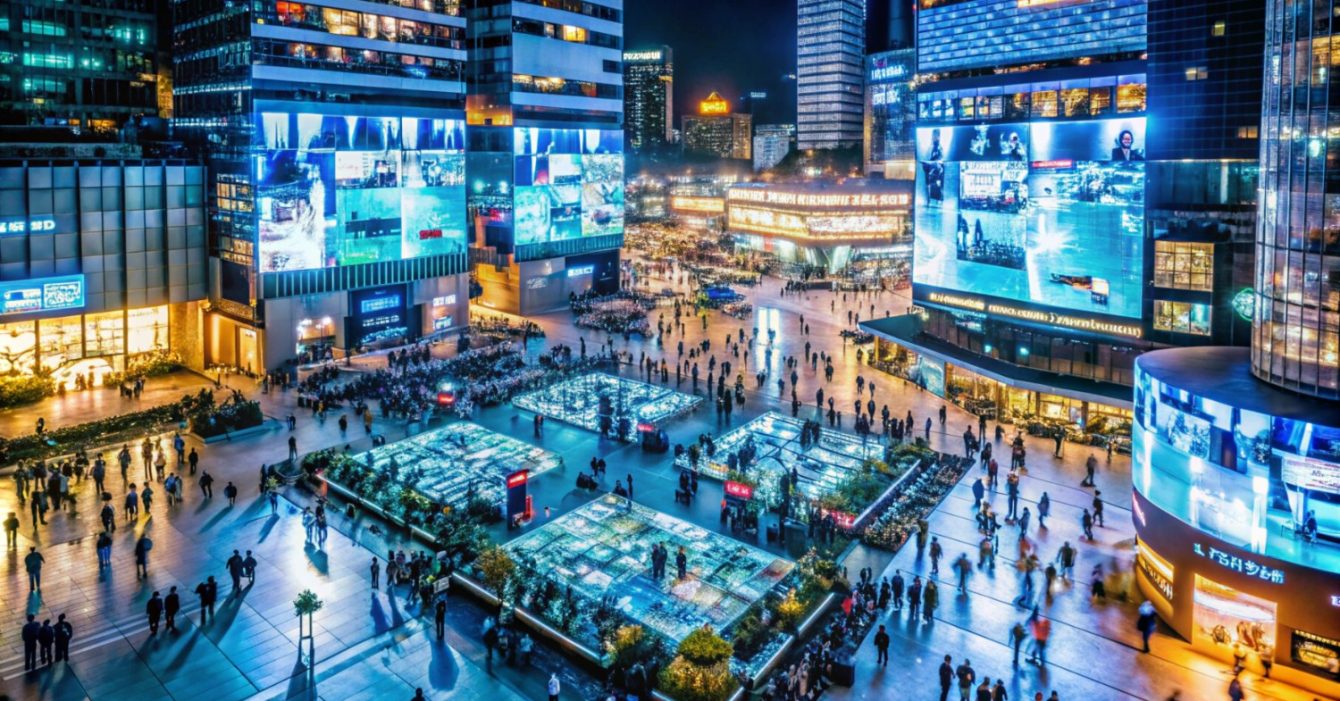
{"points": [[102, 264], [92, 66], [1057, 237], [335, 143], [772, 142], [890, 114], [546, 144], [1296, 330], [649, 98], [718, 131], [830, 60]]}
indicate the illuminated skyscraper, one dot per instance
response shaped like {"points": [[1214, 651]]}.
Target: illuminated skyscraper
{"points": [[829, 73], [1297, 321], [648, 97], [718, 131]]}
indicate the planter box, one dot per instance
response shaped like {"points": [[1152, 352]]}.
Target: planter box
{"points": [[264, 427], [878, 506]]}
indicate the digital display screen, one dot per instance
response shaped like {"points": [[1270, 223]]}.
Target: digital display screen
{"points": [[1050, 214], [42, 294], [337, 190], [569, 184]]}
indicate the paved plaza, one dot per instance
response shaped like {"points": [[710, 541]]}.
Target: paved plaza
{"points": [[371, 643]]}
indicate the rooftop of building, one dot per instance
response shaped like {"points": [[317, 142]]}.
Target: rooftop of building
{"points": [[1224, 374]]}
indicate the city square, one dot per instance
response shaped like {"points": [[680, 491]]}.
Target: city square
{"points": [[701, 351]]}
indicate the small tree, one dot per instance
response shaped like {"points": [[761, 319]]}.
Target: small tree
{"points": [[307, 604], [496, 569], [701, 668]]}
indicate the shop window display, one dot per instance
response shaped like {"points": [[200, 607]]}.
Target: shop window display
{"points": [[146, 329], [585, 400], [1231, 620], [18, 348], [603, 552], [463, 460]]}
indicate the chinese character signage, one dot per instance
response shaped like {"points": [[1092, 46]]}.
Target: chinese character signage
{"points": [[42, 294], [1240, 565]]}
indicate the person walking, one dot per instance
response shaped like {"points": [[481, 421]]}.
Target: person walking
{"points": [[12, 531], [99, 474], [440, 616], [171, 605], [1017, 635], [930, 599], [230, 493], [292, 448], [1097, 508], [154, 610], [234, 565], [1086, 522], [132, 503], [32, 562], [142, 548], [30, 632], [966, 676], [249, 568], [207, 484], [193, 460], [1146, 623], [946, 677], [1044, 510], [376, 571], [937, 551], [104, 550], [882, 647]]}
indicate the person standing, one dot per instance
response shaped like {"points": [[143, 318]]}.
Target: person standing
{"points": [[234, 566], [202, 591], [1097, 508], [882, 647], [193, 460], [554, 687], [230, 493], [154, 610], [440, 616], [376, 572], [681, 563], [46, 637], [63, 633], [132, 503], [937, 551], [171, 605], [914, 599], [12, 531], [946, 677], [931, 599], [104, 550], [1086, 522], [30, 632], [966, 676], [99, 474], [142, 548], [292, 448], [1044, 510], [33, 562], [897, 586], [1147, 623]]}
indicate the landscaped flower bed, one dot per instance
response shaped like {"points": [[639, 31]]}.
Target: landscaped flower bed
{"points": [[914, 500], [24, 389], [236, 413]]}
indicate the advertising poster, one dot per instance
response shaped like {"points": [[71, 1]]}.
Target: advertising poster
{"points": [[1320, 653], [344, 190], [1049, 213], [602, 195], [929, 374], [568, 184]]}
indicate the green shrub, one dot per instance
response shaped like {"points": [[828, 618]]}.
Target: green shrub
{"points": [[701, 669], [24, 389]]}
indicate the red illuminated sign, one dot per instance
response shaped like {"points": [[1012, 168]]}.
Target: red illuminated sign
{"points": [[518, 478], [446, 398], [645, 427], [739, 490], [425, 234], [842, 519]]}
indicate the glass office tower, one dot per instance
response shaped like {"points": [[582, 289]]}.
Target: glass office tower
{"points": [[649, 97], [829, 73], [1297, 321]]}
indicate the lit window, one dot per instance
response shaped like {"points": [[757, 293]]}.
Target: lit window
{"points": [[1184, 266], [1197, 73], [1219, 27], [575, 34], [1182, 317]]}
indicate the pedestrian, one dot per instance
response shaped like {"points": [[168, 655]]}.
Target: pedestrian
{"points": [[946, 677], [46, 637], [142, 548], [1086, 522], [440, 616], [1044, 510], [554, 685], [1017, 635], [132, 503], [235, 569], [64, 632], [376, 571], [931, 599], [1235, 690], [193, 460], [171, 605], [292, 448], [1146, 623], [154, 610], [966, 676], [896, 584], [31, 629], [1097, 508], [230, 493], [12, 530], [249, 568], [33, 562], [418, 695], [104, 550], [207, 484], [882, 647]]}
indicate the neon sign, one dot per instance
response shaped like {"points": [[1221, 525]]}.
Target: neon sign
{"points": [[739, 490], [581, 270], [43, 294], [1240, 565], [34, 226]]}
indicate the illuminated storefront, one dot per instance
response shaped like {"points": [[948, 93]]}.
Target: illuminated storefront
{"points": [[90, 345], [830, 227], [1237, 507]]}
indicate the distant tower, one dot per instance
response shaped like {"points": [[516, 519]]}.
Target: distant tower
{"points": [[830, 58]]}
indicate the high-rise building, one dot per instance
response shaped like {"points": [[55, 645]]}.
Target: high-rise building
{"points": [[1056, 238], [830, 64], [1235, 455], [648, 98], [80, 63], [335, 141], [546, 164], [890, 114], [772, 142], [718, 131]]}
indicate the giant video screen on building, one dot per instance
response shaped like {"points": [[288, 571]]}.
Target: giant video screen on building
{"points": [[569, 184], [1047, 214], [334, 190]]}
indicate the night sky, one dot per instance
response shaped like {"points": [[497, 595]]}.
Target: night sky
{"points": [[731, 46]]}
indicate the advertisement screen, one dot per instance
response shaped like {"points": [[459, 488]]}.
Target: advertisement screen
{"points": [[1050, 214], [42, 294], [569, 184], [342, 190]]}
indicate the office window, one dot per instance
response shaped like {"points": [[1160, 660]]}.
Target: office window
{"points": [[1182, 317], [1184, 266], [1131, 97], [1218, 29], [1197, 73], [577, 34]]}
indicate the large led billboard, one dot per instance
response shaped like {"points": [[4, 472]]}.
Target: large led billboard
{"points": [[1048, 214], [569, 184], [337, 190]]}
